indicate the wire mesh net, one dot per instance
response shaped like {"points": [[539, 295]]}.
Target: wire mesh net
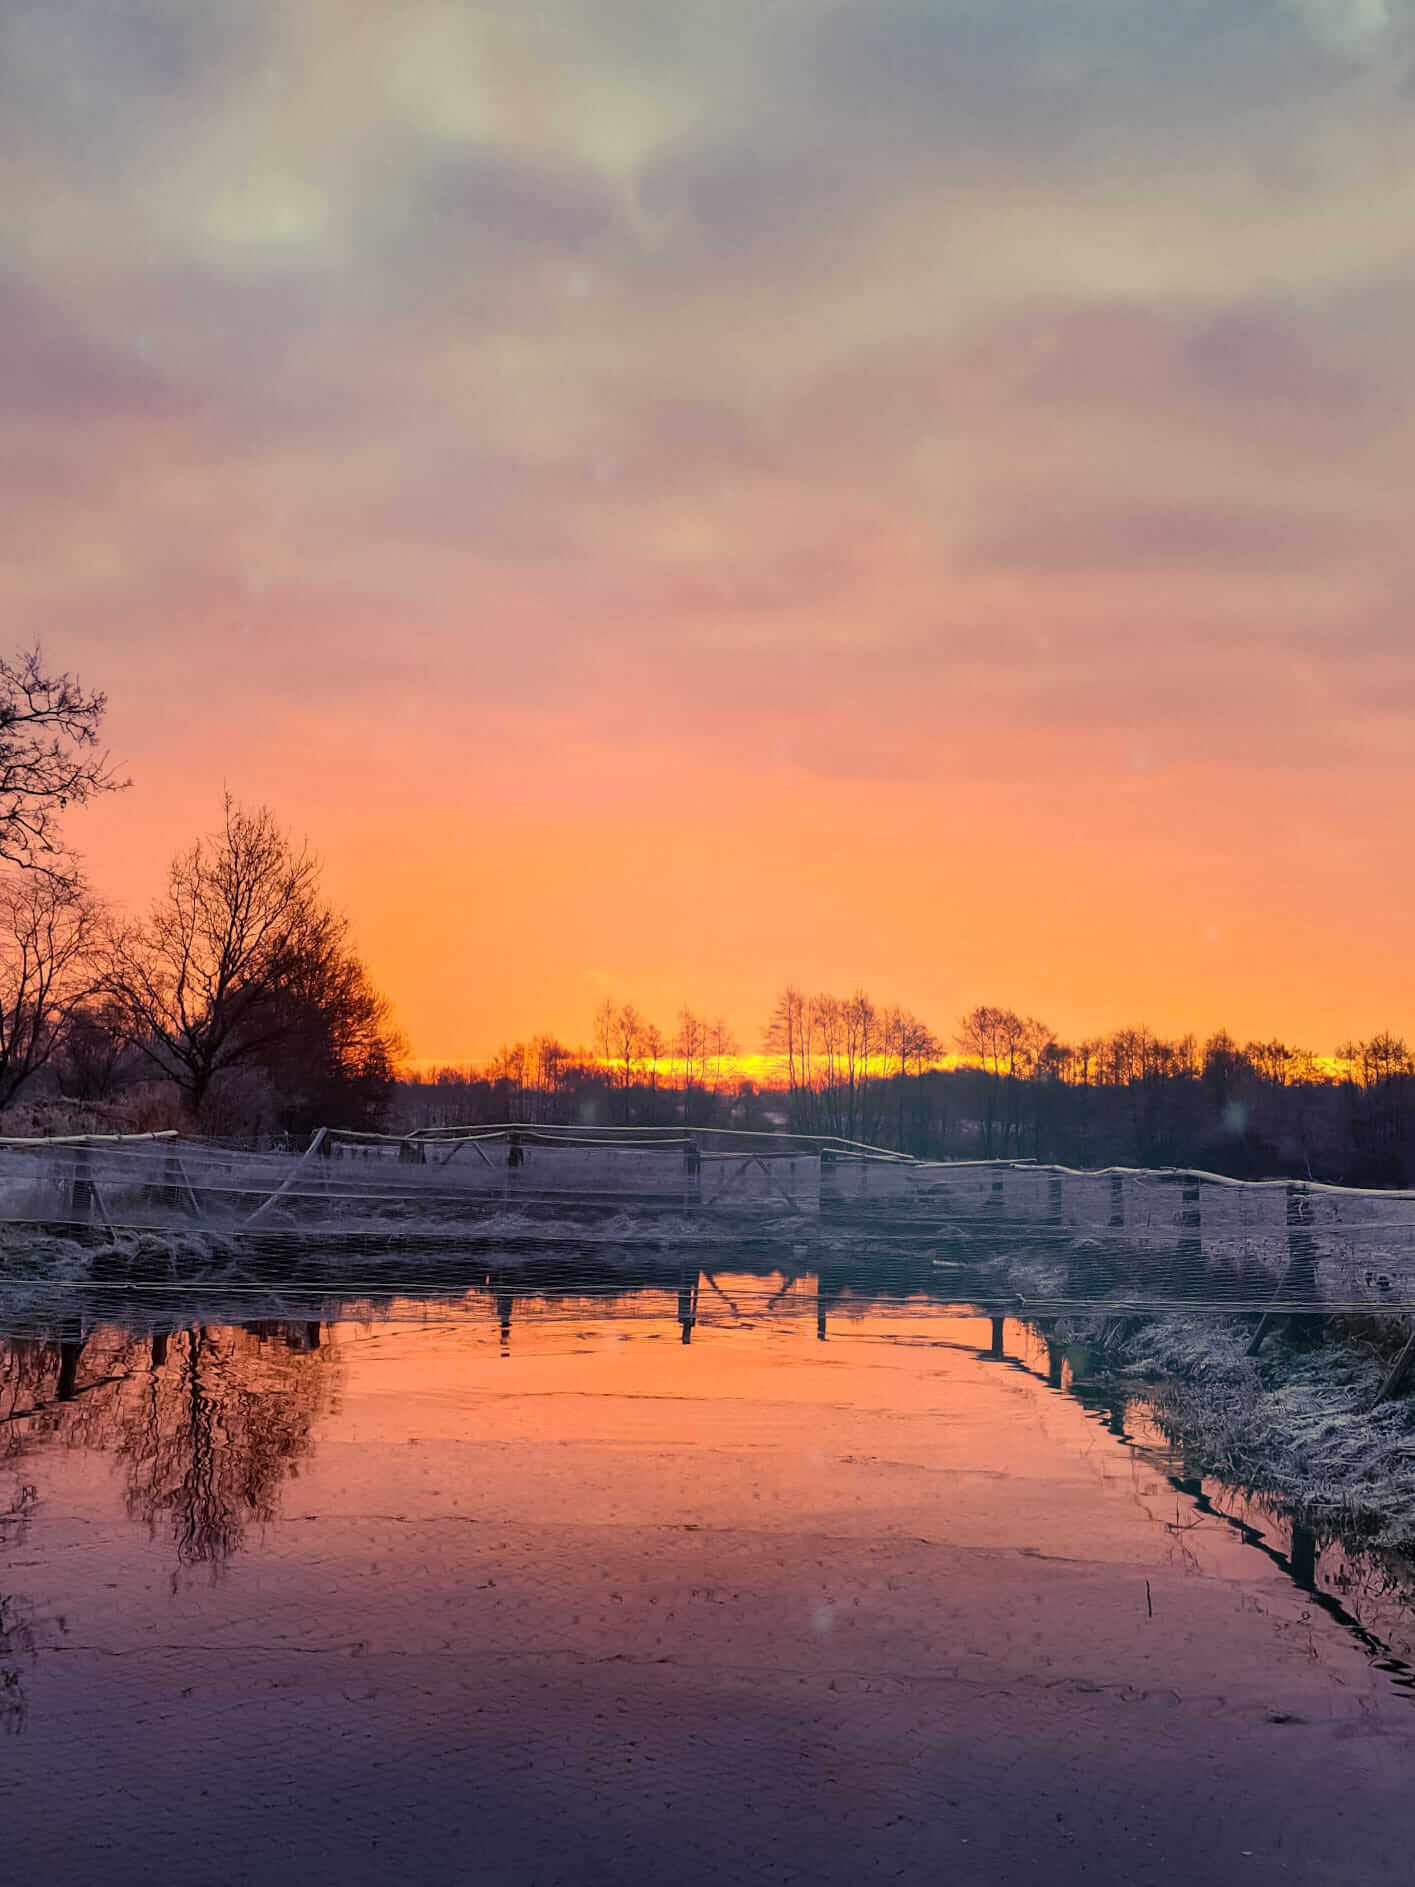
{"points": [[1002, 1230]]}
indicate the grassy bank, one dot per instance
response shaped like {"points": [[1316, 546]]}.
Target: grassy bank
{"points": [[1298, 1423]]}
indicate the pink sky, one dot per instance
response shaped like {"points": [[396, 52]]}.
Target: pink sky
{"points": [[672, 501]]}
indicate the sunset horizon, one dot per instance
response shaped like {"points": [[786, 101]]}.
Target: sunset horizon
{"points": [[886, 496]]}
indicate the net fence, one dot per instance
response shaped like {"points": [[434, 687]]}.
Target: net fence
{"points": [[1000, 1230]]}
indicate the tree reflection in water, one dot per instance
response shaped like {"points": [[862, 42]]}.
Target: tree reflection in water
{"points": [[208, 1422], [219, 1424], [16, 1623]]}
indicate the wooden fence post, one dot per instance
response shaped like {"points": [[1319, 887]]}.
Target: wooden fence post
{"points": [[1299, 1280], [81, 1192], [692, 1174], [830, 1187], [1191, 1238]]}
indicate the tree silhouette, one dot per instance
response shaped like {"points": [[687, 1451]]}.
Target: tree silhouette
{"points": [[50, 760]]}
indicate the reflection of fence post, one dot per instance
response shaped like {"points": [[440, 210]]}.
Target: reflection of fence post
{"points": [[1304, 1557], [71, 1345], [999, 1328]]}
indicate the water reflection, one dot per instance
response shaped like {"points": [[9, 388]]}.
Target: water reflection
{"points": [[208, 1423], [218, 1427], [629, 1606], [17, 1627], [210, 1416]]}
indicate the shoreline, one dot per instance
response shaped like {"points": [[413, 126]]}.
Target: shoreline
{"points": [[1295, 1424]]}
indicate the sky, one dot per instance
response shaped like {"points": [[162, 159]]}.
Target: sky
{"points": [[674, 499]]}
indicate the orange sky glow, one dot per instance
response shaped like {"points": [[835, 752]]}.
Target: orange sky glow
{"points": [[671, 503]]}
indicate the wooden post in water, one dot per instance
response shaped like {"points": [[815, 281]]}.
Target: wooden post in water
{"points": [[505, 1305], [688, 1278], [1056, 1356]]}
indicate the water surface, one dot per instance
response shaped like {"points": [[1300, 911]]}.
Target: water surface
{"points": [[510, 1590]]}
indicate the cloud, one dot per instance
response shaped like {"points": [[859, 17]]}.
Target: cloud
{"points": [[949, 396], [1208, 539], [50, 368]]}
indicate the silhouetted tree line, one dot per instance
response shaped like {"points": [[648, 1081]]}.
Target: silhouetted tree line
{"points": [[636, 1074], [1011, 1089], [236, 1004]]}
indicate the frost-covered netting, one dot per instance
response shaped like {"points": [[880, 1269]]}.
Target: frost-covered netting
{"points": [[1172, 1235], [421, 1184], [1018, 1230]]}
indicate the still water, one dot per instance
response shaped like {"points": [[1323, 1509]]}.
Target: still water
{"points": [[528, 1590]]}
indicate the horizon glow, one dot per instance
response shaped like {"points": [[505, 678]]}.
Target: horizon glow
{"points": [[896, 494]]}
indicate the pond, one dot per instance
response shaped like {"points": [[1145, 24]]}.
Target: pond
{"points": [[734, 1581]]}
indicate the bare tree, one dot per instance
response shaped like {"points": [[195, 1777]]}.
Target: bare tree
{"points": [[605, 1021], [49, 931], [629, 1036], [979, 1038], [720, 1045], [690, 1047], [655, 1047], [621, 1040], [904, 1039], [197, 983], [50, 759], [788, 1035]]}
